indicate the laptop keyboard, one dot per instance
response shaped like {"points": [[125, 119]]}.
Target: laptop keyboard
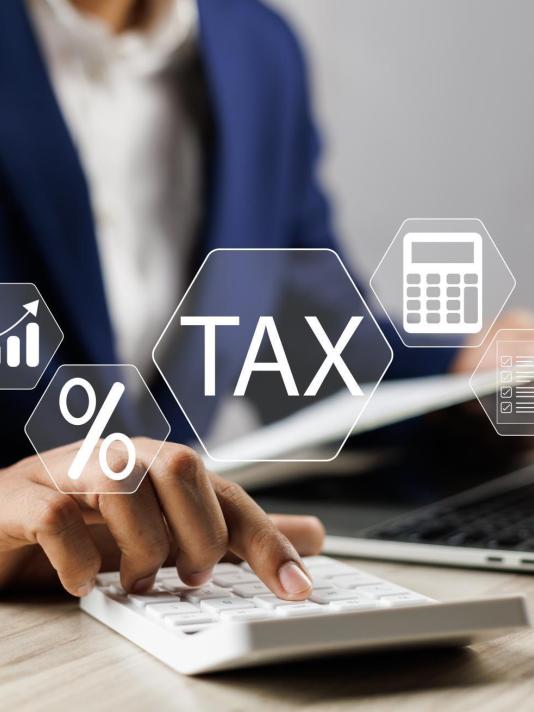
{"points": [[502, 521], [237, 594]]}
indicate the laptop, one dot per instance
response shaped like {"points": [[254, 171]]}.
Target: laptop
{"points": [[442, 489]]}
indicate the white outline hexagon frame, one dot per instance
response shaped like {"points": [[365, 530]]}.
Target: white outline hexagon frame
{"points": [[32, 284], [98, 365], [274, 249], [474, 374], [484, 333]]}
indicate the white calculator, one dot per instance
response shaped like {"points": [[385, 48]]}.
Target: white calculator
{"points": [[442, 283], [236, 621]]}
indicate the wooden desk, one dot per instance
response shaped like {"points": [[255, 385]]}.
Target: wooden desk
{"points": [[53, 657]]}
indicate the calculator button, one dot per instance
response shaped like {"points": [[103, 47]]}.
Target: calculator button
{"points": [[432, 304], [432, 279], [433, 318], [471, 305], [433, 291], [471, 278], [453, 291], [453, 279], [413, 304], [453, 318], [453, 304], [413, 278], [413, 318], [413, 292]]}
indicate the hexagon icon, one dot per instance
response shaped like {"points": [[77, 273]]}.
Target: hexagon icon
{"points": [[272, 337], [29, 336], [442, 282], [503, 382], [97, 429]]}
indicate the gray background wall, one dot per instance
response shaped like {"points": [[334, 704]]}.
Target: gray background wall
{"points": [[427, 109]]}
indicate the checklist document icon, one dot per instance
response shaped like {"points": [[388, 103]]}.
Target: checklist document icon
{"points": [[515, 392]]}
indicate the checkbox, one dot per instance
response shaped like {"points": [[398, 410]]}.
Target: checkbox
{"points": [[506, 376], [506, 361], [506, 407], [506, 392]]}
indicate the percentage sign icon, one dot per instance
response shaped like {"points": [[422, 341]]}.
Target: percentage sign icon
{"points": [[98, 426]]}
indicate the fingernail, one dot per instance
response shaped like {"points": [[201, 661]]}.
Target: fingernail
{"points": [[143, 584], [86, 589], [293, 579], [198, 578]]}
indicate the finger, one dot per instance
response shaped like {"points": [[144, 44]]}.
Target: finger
{"points": [[192, 511], [306, 533], [55, 522], [255, 538], [137, 525]]}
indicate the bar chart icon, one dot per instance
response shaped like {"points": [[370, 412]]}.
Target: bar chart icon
{"points": [[23, 349]]}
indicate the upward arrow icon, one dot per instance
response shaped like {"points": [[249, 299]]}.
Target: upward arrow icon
{"points": [[30, 308]]}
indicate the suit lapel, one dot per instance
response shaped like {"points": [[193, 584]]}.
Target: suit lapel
{"points": [[47, 188]]}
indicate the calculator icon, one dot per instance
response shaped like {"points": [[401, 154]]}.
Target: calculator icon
{"points": [[442, 283]]}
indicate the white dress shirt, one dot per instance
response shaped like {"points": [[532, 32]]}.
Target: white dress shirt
{"points": [[121, 101]]}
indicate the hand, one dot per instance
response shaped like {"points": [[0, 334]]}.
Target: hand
{"points": [[180, 512], [468, 359]]}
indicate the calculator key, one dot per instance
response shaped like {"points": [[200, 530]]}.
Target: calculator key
{"points": [[229, 603], [152, 597], [413, 278], [114, 590], [432, 304], [453, 279], [413, 318], [160, 610], [181, 619], [432, 279], [453, 291], [234, 578], [413, 292], [433, 291], [167, 572], [330, 594], [413, 304], [453, 304], [471, 305], [249, 590], [404, 599], [250, 614], [271, 602], [173, 586], [433, 318], [300, 609], [453, 318], [195, 595], [110, 577], [471, 278]]}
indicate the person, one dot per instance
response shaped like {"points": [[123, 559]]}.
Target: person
{"points": [[135, 136]]}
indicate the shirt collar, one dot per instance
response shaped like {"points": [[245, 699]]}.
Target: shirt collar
{"points": [[138, 52]]}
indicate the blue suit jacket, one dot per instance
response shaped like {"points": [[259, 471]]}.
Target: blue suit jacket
{"points": [[259, 100]]}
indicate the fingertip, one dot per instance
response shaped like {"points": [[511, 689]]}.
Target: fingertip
{"points": [[143, 585], [196, 578], [85, 589], [294, 581]]}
